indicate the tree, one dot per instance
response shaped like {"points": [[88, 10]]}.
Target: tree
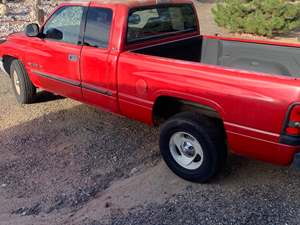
{"points": [[260, 17]]}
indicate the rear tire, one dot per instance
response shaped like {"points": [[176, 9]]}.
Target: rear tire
{"points": [[22, 86], [193, 146]]}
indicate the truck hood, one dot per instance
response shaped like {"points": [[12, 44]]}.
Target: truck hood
{"points": [[11, 40], [16, 35]]}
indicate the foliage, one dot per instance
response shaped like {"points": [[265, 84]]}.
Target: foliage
{"points": [[260, 17]]}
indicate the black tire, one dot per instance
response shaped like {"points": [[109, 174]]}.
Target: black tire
{"points": [[209, 134], [27, 90]]}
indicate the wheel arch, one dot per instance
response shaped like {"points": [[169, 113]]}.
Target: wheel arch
{"points": [[7, 60], [166, 106]]}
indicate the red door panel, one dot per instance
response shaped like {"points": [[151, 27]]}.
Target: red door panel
{"points": [[98, 83], [54, 58], [97, 64], [56, 67]]}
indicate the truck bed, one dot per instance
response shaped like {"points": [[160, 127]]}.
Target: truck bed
{"points": [[266, 58]]}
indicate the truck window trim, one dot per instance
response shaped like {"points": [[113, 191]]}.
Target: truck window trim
{"points": [[158, 36]]}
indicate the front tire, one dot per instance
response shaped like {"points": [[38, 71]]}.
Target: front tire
{"points": [[193, 146], [22, 86]]}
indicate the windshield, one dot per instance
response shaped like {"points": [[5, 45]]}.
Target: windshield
{"points": [[160, 21]]}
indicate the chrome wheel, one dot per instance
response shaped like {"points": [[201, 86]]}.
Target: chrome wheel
{"points": [[186, 150], [17, 82]]}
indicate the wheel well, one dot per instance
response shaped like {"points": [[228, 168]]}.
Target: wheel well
{"points": [[7, 60], [166, 107]]}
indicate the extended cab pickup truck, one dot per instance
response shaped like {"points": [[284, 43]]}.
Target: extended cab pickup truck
{"points": [[146, 60]]}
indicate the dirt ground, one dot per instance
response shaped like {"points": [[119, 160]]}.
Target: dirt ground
{"points": [[62, 162]]}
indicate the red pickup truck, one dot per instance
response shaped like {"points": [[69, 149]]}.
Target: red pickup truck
{"points": [[147, 60]]}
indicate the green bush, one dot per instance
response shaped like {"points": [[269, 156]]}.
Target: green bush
{"points": [[260, 17]]}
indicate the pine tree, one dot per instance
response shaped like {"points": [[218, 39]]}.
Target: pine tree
{"points": [[260, 17]]}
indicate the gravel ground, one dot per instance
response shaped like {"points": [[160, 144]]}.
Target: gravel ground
{"points": [[62, 162]]}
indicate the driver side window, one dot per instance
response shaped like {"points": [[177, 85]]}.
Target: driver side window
{"points": [[64, 25]]}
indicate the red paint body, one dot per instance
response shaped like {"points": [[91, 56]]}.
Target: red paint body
{"points": [[253, 106]]}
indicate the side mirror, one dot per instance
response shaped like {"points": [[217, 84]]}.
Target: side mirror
{"points": [[32, 30], [134, 19], [54, 33]]}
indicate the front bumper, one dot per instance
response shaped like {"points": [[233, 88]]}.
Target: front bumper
{"points": [[2, 70]]}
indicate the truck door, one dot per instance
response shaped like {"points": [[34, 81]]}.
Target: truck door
{"points": [[53, 59], [98, 79]]}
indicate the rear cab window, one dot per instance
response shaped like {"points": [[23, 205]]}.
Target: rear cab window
{"points": [[154, 22]]}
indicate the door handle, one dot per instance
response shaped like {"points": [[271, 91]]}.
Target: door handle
{"points": [[72, 58]]}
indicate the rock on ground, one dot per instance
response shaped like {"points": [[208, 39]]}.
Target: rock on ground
{"points": [[3, 10]]}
